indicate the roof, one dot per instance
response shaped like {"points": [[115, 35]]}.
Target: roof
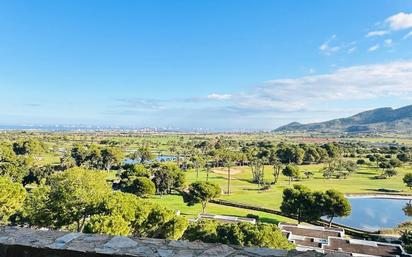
{"points": [[311, 231], [322, 239], [367, 248]]}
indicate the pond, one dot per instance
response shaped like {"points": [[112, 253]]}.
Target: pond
{"points": [[159, 158], [372, 214]]}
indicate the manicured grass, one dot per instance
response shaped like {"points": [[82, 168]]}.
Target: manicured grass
{"points": [[244, 191], [175, 203]]}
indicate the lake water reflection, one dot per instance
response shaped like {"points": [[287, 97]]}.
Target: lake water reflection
{"points": [[159, 158], [376, 213]]}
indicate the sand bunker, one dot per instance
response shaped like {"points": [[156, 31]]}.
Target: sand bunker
{"points": [[223, 171]]}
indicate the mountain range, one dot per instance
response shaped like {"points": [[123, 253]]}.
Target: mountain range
{"points": [[377, 120]]}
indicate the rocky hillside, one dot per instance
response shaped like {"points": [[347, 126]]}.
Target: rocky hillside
{"points": [[377, 120]]}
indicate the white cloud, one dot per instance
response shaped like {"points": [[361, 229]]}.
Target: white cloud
{"points": [[216, 96], [408, 35], [351, 50], [353, 83], [327, 48], [373, 48], [377, 33], [311, 71], [400, 21], [388, 42]]}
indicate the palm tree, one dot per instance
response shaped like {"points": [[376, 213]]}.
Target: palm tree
{"points": [[277, 169], [228, 157]]}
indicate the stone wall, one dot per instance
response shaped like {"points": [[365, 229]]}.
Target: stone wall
{"points": [[24, 242]]}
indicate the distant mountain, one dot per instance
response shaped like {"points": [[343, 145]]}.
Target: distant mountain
{"points": [[377, 120]]}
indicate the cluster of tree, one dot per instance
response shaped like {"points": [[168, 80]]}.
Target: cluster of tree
{"points": [[385, 162], [243, 234], [406, 239], [407, 179], [339, 168], [12, 196], [201, 192], [160, 178], [93, 157], [126, 214], [18, 160], [81, 200], [305, 205]]}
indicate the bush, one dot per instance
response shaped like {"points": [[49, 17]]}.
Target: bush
{"points": [[140, 186], [361, 162], [243, 234], [252, 216]]}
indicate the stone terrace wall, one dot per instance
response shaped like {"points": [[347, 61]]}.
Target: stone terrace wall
{"points": [[23, 242]]}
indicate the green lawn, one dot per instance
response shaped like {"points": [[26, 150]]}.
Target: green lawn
{"points": [[175, 203], [243, 191]]}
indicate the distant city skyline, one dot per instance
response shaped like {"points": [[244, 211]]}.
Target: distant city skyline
{"points": [[235, 64]]}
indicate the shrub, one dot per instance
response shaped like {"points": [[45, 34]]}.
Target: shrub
{"points": [[361, 162], [252, 216]]}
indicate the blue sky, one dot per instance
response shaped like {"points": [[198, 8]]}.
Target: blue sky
{"points": [[227, 64]]}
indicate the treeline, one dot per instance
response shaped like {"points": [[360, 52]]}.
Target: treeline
{"points": [[82, 200], [305, 205]]}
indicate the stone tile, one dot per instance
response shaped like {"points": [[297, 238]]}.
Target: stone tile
{"points": [[219, 250], [266, 252], [142, 251], [184, 253], [165, 252], [61, 242], [118, 242]]}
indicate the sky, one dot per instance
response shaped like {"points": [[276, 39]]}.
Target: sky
{"points": [[211, 64]]}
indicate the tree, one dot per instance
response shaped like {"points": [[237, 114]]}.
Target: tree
{"points": [[11, 165], [407, 209], [134, 170], [141, 186], [396, 163], [79, 154], [35, 209], [301, 203], [203, 230], [12, 196], [277, 168], [167, 177], [158, 222], [333, 150], [407, 179], [118, 213], [75, 195], [243, 234], [258, 172], [198, 162], [143, 154], [227, 157], [28, 147], [390, 172], [201, 192], [335, 204], [67, 161], [112, 156], [404, 156], [291, 171], [126, 214], [338, 168], [406, 239], [290, 154]]}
